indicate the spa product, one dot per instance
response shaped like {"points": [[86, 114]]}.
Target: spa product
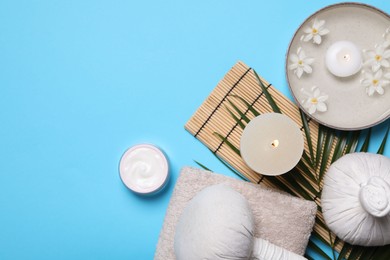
{"points": [[289, 219], [218, 224], [343, 59], [271, 144], [356, 199], [347, 62], [144, 169]]}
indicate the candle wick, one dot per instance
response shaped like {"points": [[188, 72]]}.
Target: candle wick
{"points": [[275, 143]]}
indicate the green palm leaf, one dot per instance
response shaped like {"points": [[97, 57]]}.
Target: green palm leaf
{"points": [[297, 187], [326, 152], [270, 99], [320, 140], [340, 146], [277, 183], [318, 250], [332, 244], [306, 158], [307, 134], [368, 253], [356, 252], [320, 238], [344, 251], [382, 253], [242, 115], [353, 142], [366, 142], [249, 106], [238, 120], [228, 143], [319, 221], [202, 166], [303, 182], [383, 144], [305, 169]]}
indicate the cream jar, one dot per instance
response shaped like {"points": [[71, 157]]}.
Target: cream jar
{"points": [[144, 169]]}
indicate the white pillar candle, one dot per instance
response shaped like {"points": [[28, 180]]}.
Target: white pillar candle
{"points": [[271, 144], [144, 169], [343, 59]]}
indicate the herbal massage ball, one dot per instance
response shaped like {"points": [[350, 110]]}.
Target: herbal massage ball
{"points": [[356, 199], [218, 224]]}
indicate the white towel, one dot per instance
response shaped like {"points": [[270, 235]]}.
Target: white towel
{"points": [[280, 218]]}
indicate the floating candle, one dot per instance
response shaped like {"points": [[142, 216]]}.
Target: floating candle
{"points": [[144, 169], [343, 59], [271, 144]]}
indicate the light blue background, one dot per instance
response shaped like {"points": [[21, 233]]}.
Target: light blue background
{"points": [[81, 81]]}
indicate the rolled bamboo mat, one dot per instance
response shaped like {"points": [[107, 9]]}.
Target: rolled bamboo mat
{"points": [[213, 121]]}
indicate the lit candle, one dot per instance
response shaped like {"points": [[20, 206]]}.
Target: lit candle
{"points": [[271, 144], [343, 59], [144, 169]]}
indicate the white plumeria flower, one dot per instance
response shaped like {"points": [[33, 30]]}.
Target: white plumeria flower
{"points": [[375, 82], [315, 32], [314, 100], [386, 36], [378, 58], [300, 63]]}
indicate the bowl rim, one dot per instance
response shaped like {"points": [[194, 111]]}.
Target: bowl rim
{"points": [[286, 65]]}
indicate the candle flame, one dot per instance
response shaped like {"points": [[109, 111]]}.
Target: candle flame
{"points": [[275, 143]]}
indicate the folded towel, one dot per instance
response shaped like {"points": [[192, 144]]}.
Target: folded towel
{"points": [[280, 218]]}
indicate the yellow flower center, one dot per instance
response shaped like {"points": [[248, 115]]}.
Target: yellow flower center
{"points": [[314, 31], [314, 100], [375, 82], [300, 62], [378, 57]]}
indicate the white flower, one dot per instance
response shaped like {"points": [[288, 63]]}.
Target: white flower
{"points": [[375, 82], [300, 63], [378, 58], [314, 100], [386, 36], [315, 32]]}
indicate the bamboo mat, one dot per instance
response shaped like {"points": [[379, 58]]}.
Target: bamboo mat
{"points": [[213, 116]]}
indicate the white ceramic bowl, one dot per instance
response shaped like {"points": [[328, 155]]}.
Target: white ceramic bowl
{"points": [[349, 107]]}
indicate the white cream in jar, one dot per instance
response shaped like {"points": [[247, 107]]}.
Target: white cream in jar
{"points": [[144, 169]]}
